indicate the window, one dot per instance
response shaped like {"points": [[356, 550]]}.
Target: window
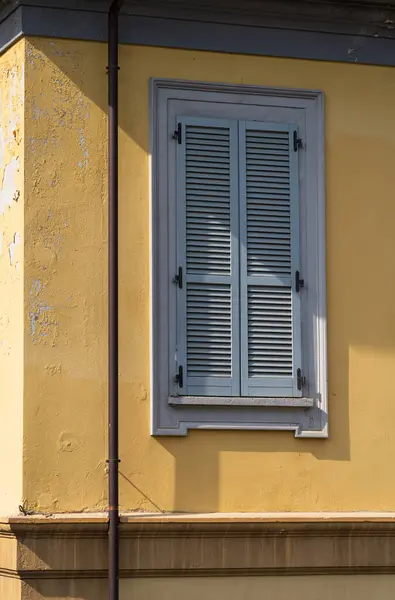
{"points": [[238, 265]]}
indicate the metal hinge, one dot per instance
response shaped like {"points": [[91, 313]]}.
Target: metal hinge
{"points": [[300, 379], [298, 142], [178, 278], [299, 283], [179, 377], [177, 135]]}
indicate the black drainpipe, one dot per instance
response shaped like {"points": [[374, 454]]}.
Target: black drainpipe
{"points": [[113, 446]]}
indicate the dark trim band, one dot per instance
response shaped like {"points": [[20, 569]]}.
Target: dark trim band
{"points": [[199, 35], [11, 29]]}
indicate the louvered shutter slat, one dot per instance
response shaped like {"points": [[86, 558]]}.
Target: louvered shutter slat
{"points": [[269, 250], [207, 250]]}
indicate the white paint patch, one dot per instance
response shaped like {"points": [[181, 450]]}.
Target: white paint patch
{"points": [[8, 189], [2, 142], [5, 347], [12, 246]]}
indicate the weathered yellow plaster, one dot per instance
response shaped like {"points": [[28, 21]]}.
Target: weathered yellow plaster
{"points": [[65, 295], [65, 283], [11, 276]]}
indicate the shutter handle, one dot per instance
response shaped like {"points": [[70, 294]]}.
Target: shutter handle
{"points": [[299, 283]]}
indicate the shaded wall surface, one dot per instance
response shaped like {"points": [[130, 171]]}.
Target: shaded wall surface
{"points": [[299, 588], [255, 588]]}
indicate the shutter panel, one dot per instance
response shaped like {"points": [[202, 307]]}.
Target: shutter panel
{"points": [[207, 251], [269, 259]]}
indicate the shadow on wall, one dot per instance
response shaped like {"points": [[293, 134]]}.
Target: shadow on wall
{"points": [[357, 315], [88, 589]]}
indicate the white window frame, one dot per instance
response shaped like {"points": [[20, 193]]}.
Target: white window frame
{"points": [[172, 415]]}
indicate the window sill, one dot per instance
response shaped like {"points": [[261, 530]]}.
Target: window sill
{"points": [[240, 401]]}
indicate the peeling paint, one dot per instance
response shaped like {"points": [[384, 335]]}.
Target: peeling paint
{"points": [[36, 287], [8, 185], [12, 246], [38, 113], [11, 283], [53, 369], [42, 317], [43, 322], [84, 148], [69, 442], [2, 142], [58, 52]]}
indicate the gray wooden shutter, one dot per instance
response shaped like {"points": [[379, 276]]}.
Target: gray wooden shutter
{"points": [[207, 253], [269, 260]]}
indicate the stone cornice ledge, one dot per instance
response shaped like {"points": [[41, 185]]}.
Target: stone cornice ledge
{"points": [[180, 545], [212, 517], [141, 523]]}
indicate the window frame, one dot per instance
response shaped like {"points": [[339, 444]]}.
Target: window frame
{"points": [[173, 415]]}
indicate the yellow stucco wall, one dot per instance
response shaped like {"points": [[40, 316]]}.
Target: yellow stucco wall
{"points": [[11, 275], [65, 282], [65, 295]]}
